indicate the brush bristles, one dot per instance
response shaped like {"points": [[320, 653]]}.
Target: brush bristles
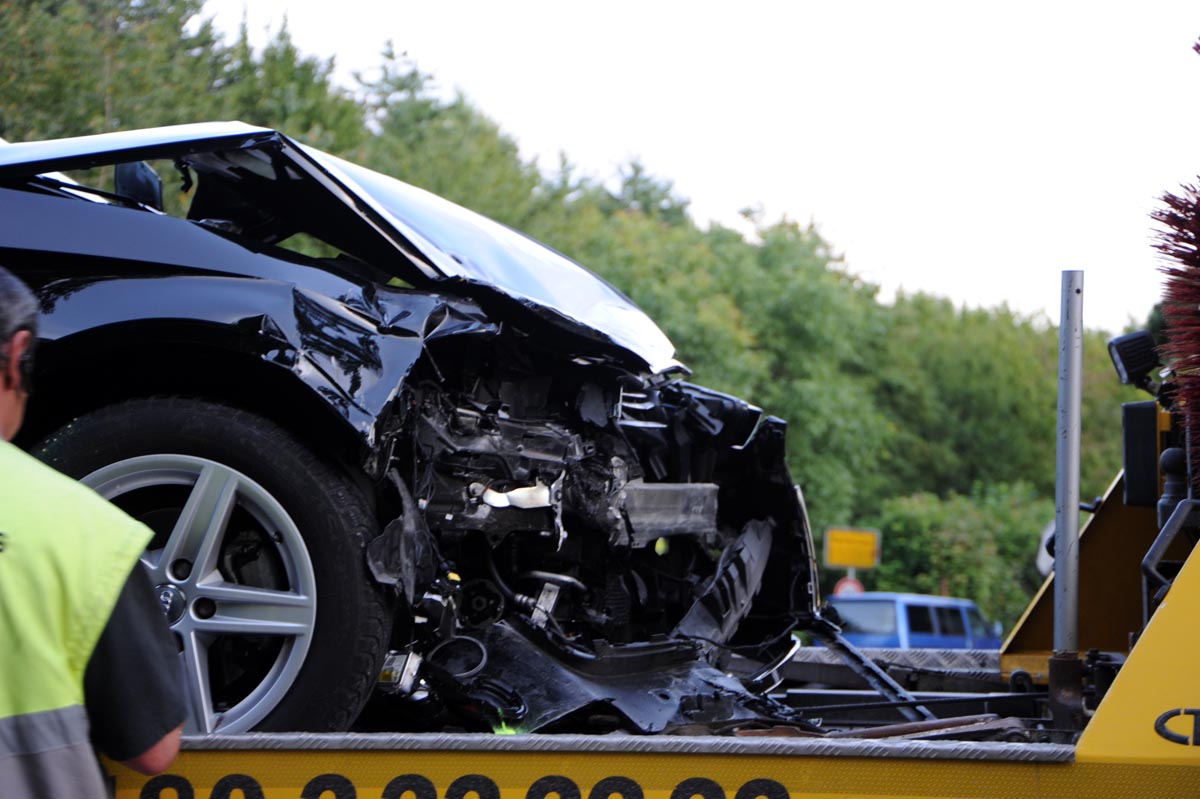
{"points": [[1179, 241]]}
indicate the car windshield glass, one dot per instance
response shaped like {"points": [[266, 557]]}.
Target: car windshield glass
{"points": [[868, 616], [979, 627]]}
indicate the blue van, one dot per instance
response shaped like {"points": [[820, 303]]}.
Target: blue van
{"points": [[914, 621]]}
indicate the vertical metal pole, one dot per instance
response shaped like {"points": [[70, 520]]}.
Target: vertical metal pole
{"points": [[1066, 493], [1065, 667]]}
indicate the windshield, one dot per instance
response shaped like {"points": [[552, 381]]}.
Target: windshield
{"points": [[979, 627], [874, 617], [487, 252]]}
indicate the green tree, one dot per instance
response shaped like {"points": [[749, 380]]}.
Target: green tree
{"points": [[282, 88], [446, 146], [982, 545], [641, 192], [971, 396], [72, 67], [813, 322]]}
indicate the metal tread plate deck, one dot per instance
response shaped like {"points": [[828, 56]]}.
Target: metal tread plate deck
{"points": [[940, 659], [628, 744]]}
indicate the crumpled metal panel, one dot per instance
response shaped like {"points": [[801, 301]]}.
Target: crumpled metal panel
{"points": [[406, 229], [354, 352], [728, 597], [404, 555], [655, 691]]}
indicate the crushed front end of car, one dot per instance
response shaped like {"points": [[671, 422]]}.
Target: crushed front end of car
{"points": [[581, 546], [554, 530]]}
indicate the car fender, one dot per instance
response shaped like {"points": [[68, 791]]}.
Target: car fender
{"points": [[350, 355]]}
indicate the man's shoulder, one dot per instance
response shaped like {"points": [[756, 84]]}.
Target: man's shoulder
{"points": [[29, 487], [20, 471]]}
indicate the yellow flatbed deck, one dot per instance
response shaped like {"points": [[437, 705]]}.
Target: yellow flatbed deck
{"points": [[481, 766]]}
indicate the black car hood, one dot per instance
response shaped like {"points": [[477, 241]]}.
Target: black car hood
{"points": [[425, 236]]}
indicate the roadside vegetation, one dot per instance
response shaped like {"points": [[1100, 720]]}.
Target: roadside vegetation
{"points": [[932, 422]]}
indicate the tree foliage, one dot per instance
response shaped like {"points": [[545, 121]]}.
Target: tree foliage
{"points": [[445, 146], [935, 423], [69, 67], [980, 545], [972, 396], [284, 89]]}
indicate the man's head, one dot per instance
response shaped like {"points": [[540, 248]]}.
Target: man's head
{"points": [[18, 331]]}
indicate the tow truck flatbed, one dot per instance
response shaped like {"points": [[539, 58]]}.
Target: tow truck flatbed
{"points": [[1143, 740], [456, 766]]}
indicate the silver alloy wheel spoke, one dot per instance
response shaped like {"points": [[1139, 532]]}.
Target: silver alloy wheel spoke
{"points": [[215, 607], [200, 715], [255, 611], [198, 534]]}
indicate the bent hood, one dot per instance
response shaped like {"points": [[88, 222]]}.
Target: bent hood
{"points": [[410, 232]]}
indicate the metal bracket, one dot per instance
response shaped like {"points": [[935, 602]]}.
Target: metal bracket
{"points": [[869, 670]]}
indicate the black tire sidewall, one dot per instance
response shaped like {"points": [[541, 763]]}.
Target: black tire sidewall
{"points": [[333, 517]]}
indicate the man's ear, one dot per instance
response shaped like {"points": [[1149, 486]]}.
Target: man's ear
{"points": [[21, 341]]}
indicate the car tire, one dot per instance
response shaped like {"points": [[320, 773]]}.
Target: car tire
{"points": [[258, 557]]}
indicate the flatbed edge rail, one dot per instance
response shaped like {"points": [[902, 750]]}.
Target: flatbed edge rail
{"points": [[715, 745]]}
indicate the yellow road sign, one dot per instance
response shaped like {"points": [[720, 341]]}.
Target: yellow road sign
{"points": [[848, 548]]}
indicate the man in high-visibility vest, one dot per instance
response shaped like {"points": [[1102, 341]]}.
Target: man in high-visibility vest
{"points": [[86, 658]]}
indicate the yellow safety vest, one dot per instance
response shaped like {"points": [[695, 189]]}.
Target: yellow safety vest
{"points": [[65, 553]]}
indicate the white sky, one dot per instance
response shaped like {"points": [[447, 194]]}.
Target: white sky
{"points": [[967, 149]]}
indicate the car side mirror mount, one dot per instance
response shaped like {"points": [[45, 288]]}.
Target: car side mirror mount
{"points": [[138, 181]]}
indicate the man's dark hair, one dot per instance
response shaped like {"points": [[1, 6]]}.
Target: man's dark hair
{"points": [[18, 311], [18, 307]]}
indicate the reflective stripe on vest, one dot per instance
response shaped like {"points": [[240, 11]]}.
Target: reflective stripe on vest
{"points": [[48, 754], [65, 554]]}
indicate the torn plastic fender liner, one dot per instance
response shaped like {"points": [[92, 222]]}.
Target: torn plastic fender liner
{"points": [[728, 420], [730, 591], [656, 686], [405, 554], [789, 592]]}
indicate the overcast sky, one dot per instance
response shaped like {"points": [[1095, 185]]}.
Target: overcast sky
{"points": [[967, 149]]}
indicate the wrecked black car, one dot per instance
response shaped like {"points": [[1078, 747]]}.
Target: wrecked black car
{"points": [[396, 456]]}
